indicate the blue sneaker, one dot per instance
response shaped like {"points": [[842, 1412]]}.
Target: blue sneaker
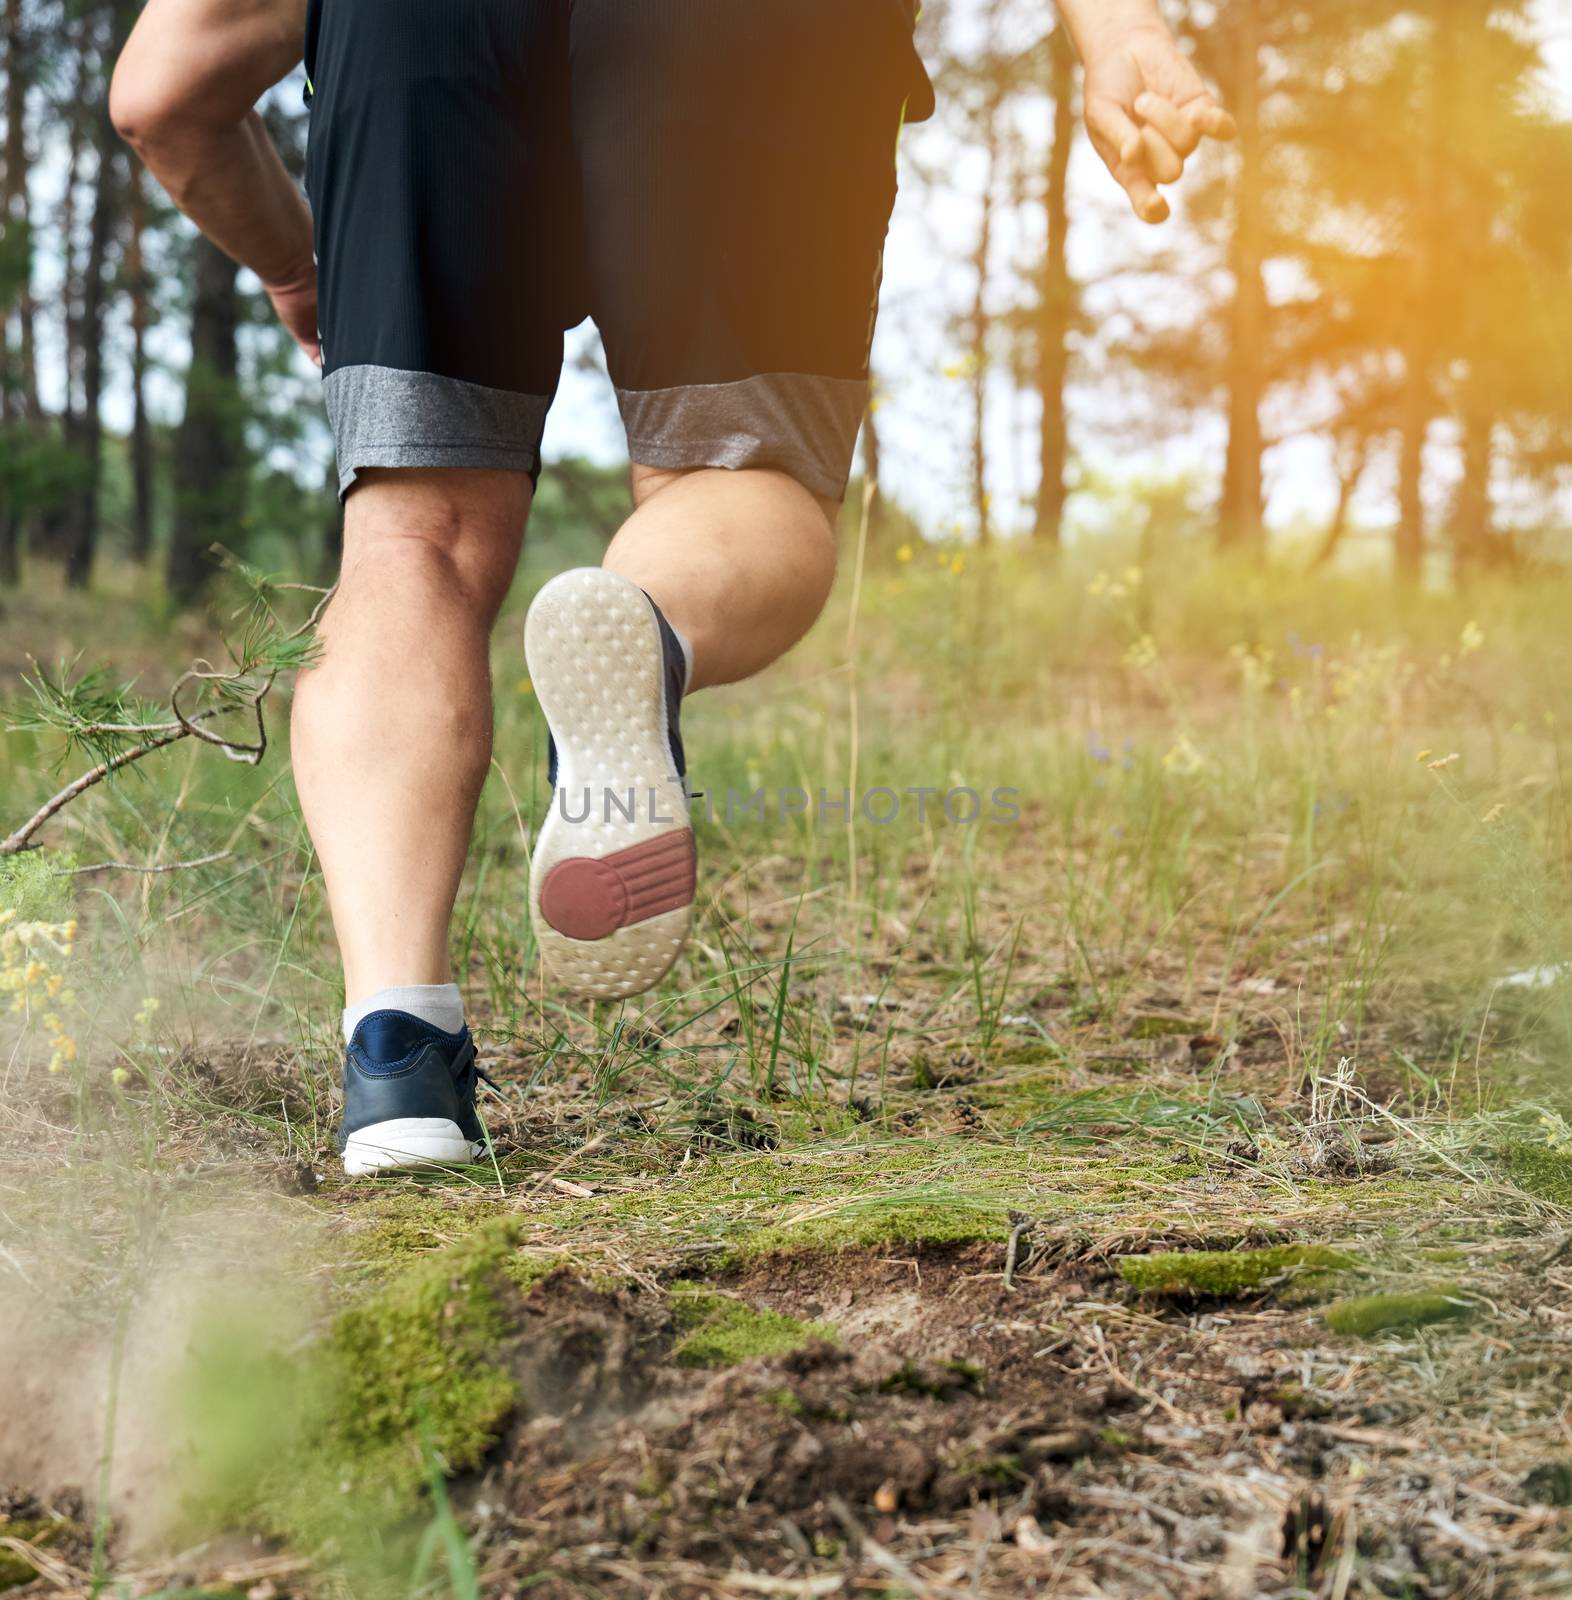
{"points": [[613, 877], [409, 1096]]}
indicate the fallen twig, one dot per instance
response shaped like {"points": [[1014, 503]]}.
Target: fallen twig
{"points": [[132, 866], [1012, 1251], [885, 1560]]}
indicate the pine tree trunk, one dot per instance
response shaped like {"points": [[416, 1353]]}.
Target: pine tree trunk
{"points": [[1472, 533], [20, 376], [1349, 474], [1423, 311], [209, 449], [1241, 521], [17, 381], [53, 533], [70, 276], [981, 327], [88, 435], [1058, 302], [141, 428]]}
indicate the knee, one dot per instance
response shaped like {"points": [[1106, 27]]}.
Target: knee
{"points": [[444, 570], [444, 537]]}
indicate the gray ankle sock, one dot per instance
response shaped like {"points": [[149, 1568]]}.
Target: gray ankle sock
{"points": [[440, 1004]]}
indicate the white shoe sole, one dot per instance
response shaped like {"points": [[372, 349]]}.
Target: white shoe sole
{"points": [[408, 1142], [618, 890]]}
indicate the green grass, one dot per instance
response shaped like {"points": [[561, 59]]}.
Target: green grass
{"points": [[1226, 1004]]}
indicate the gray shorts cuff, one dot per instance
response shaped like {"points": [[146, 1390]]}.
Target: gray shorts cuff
{"points": [[386, 417], [793, 422]]}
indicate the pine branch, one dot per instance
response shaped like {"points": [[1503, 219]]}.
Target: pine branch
{"points": [[99, 718]]}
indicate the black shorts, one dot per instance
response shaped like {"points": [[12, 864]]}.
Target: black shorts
{"points": [[710, 180]]}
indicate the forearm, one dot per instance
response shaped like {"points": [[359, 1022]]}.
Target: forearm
{"points": [[183, 96], [230, 181], [1100, 25]]}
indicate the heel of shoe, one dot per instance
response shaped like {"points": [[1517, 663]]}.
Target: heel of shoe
{"points": [[407, 1142]]}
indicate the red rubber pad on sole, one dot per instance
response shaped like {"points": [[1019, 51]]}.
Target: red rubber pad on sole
{"points": [[590, 898]]}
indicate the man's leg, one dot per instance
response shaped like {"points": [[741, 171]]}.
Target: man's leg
{"points": [[391, 730], [733, 257], [741, 563]]}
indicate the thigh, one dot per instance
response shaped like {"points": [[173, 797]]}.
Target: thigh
{"points": [[442, 198], [738, 170]]}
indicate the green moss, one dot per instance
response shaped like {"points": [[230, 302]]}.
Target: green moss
{"points": [[719, 1330], [325, 1446], [875, 1191], [1027, 1053], [1227, 1274], [858, 1227], [197, 1594], [422, 1352], [1158, 1027], [525, 1269], [1018, 1100], [1550, 1484], [1294, 1402], [1370, 1314], [390, 1228], [945, 1382], [996, 1471], [1539, 1170], [14, 1571]]}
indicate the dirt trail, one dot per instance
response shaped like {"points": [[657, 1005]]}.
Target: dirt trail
{"points": [[965, 1438]]}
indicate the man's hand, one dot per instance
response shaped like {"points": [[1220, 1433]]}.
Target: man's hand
{"points": [[1146, 106], [296, 305]]}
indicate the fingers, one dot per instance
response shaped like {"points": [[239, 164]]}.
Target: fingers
{"points": [[1212, 120], [1147, 203], [1159, 158], [1120, 143], [1113, 131], [1167, 135], [1165, 118]]}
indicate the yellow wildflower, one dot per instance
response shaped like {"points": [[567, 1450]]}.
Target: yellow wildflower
{"points": [[1184, 758], [1142, 655]]}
